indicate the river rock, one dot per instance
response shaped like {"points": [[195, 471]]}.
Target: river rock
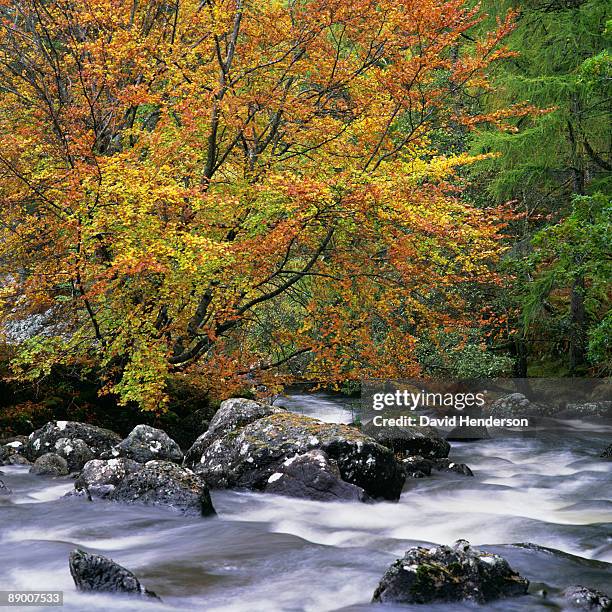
{"points": [[233, 414], [445, 574], [97, 573], [315, 476], [163, 483], [18, 459], [50, 464], [6, 451], [99, 477], [74, 451], [419, 467], [43, 440], [415, 440], [4, 490], [607, 452], [249, 456], [145, 443], [582, 598], [587, 409]]}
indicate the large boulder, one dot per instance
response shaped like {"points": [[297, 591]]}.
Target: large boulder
{"points": [[97, 573], [99, 477], [445, 574], [163, 483], [74, 451], [233, 414], [146, 443], [43, 440], [582, 598], [247, 457], [415, 440], [50, 464], [315, 476]]}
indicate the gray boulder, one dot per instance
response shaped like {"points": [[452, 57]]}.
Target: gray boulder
{"points": [[74, 451], [233, 414], [163, 483], [247, 457], [99, 477], [146, 443], [415, 440], [445, 574], [313, 476], [97, 573], [582, 598], [43, 440], [50, 464]]}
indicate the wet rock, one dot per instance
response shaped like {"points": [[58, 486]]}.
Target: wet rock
{"points": [[99, 477], [4, 490], [74, 451], [43, 440], [163, 483], [583, 598], [445, 574], [416, 440], [607, 452], [445, 465], [50, 464], [249, 456], [146, 443], [313, 476], [417, 466], [6, 451], [97, 573], [233, 414]]}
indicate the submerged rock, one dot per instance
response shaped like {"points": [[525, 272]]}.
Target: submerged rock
{"points": [[4, 490], [607, 452], [99, 477], [50, 464], [163, 483], [415, 440], [445, 574], [18, 460], [233, 414], [588, 409], [419, 467], [146, 443], [247, 457], [313, 476], [97, 573], [583, 598], [43, 440], [74, 451]]}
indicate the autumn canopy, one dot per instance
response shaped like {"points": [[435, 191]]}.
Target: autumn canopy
{"points": [[234, 189]]}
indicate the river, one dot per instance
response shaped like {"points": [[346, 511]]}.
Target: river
{"points": [[271, 554]]}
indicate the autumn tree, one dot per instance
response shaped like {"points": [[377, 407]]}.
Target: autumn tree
{"points": [[225, 187]]}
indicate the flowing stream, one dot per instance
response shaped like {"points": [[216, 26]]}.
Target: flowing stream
{"points": [[271, 554]]}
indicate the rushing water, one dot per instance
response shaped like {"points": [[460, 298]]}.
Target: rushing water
{"points": [[272, 554]]}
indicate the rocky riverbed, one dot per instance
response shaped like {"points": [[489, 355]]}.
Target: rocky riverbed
{"points": [[241, 524]]}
